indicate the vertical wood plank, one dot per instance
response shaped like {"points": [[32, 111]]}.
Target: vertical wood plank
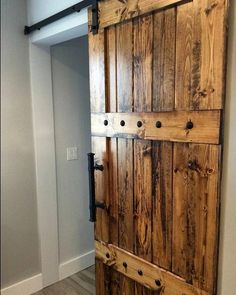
{"points": [[183, 71], [111, 81], [143, 50], [196, 213], [164, 60], [200, 52], [143, 44], [124, 67], [124, 43], [209, 51], [162, 157], [99, 147]]}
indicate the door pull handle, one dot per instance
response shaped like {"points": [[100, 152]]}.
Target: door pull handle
{"points": [[93, 204]]}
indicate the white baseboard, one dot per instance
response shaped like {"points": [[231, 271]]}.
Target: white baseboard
{"points": [[25, 287], [79, 263]]}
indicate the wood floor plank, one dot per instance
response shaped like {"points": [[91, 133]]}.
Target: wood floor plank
{"points": [[81, 283]]}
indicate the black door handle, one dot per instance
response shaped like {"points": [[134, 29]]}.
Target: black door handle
{"points": [[93, 204]]}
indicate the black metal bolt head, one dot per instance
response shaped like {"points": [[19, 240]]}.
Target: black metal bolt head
{"points": [[158, 283], [158, 124], [105, 122], [107, 255], [139, 124], [125, 264], [140, 272], [122, 123], [189, 125]]}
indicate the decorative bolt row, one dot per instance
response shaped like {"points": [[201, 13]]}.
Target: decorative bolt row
{"points": [[140, 272], [189, 124]]}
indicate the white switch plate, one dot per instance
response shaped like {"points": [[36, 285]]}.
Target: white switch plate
{"points": [[72, 153]]}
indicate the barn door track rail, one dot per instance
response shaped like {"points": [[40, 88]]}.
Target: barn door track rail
{"points": [[75, 8]]}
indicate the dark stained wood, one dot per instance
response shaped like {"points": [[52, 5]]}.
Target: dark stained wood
{"points": [[111, 81], [164, 60], [158, 61], [195, 213], [162, 155], [142, 59], [99, 146], [125, 146], [200, 51]]}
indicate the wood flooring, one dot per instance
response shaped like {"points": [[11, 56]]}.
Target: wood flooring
{"points": [[81, 283]]}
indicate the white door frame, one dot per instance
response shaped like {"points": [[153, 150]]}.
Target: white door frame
{"points": [[44, 135]]}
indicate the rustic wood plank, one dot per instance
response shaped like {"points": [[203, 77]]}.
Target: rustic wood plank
{"points": [[143, 202], [125, 147], [183, 71], [124, 67], [200, 55], [99, 146], [115, 11], [196, 214], [206, 126], [164, 60], [142, 59], [209, 52], [162, 156], [111, 81], [97, 72], [169, 284]]}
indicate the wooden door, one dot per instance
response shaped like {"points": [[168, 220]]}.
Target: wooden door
{"points": [[157, 81]]}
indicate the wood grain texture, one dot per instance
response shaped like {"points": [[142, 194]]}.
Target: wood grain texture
{"points": [[124, 146], [162, 155], [206, 126], [115, 11], [142, 60], [195, 215], [169, 284], [164, 60], [200, 55], [99, 146], [161, 61]]}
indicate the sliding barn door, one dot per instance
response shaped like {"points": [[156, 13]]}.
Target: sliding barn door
{"points": [[157, 80]]}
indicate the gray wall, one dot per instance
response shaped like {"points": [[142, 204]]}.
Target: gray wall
{"points": [[20, 245], [72, 128]]}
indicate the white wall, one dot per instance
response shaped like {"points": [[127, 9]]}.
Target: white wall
{"points": [[67, 28], [70, 76], [20, 243]]}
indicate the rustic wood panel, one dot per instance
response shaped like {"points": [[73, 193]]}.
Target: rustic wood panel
{"points": [[142, 60], [162, 157], [200, 50], [111, 81], [164, 60], [99, 146], [125, 147], [152, 276], [206, 126], [196, 204], [115, 11]]}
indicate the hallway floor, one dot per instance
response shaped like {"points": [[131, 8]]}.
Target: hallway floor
{"points": [[81, 283]]}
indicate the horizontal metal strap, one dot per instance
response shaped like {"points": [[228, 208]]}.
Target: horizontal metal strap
{"points": [[176, 126], [144, 272]]}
